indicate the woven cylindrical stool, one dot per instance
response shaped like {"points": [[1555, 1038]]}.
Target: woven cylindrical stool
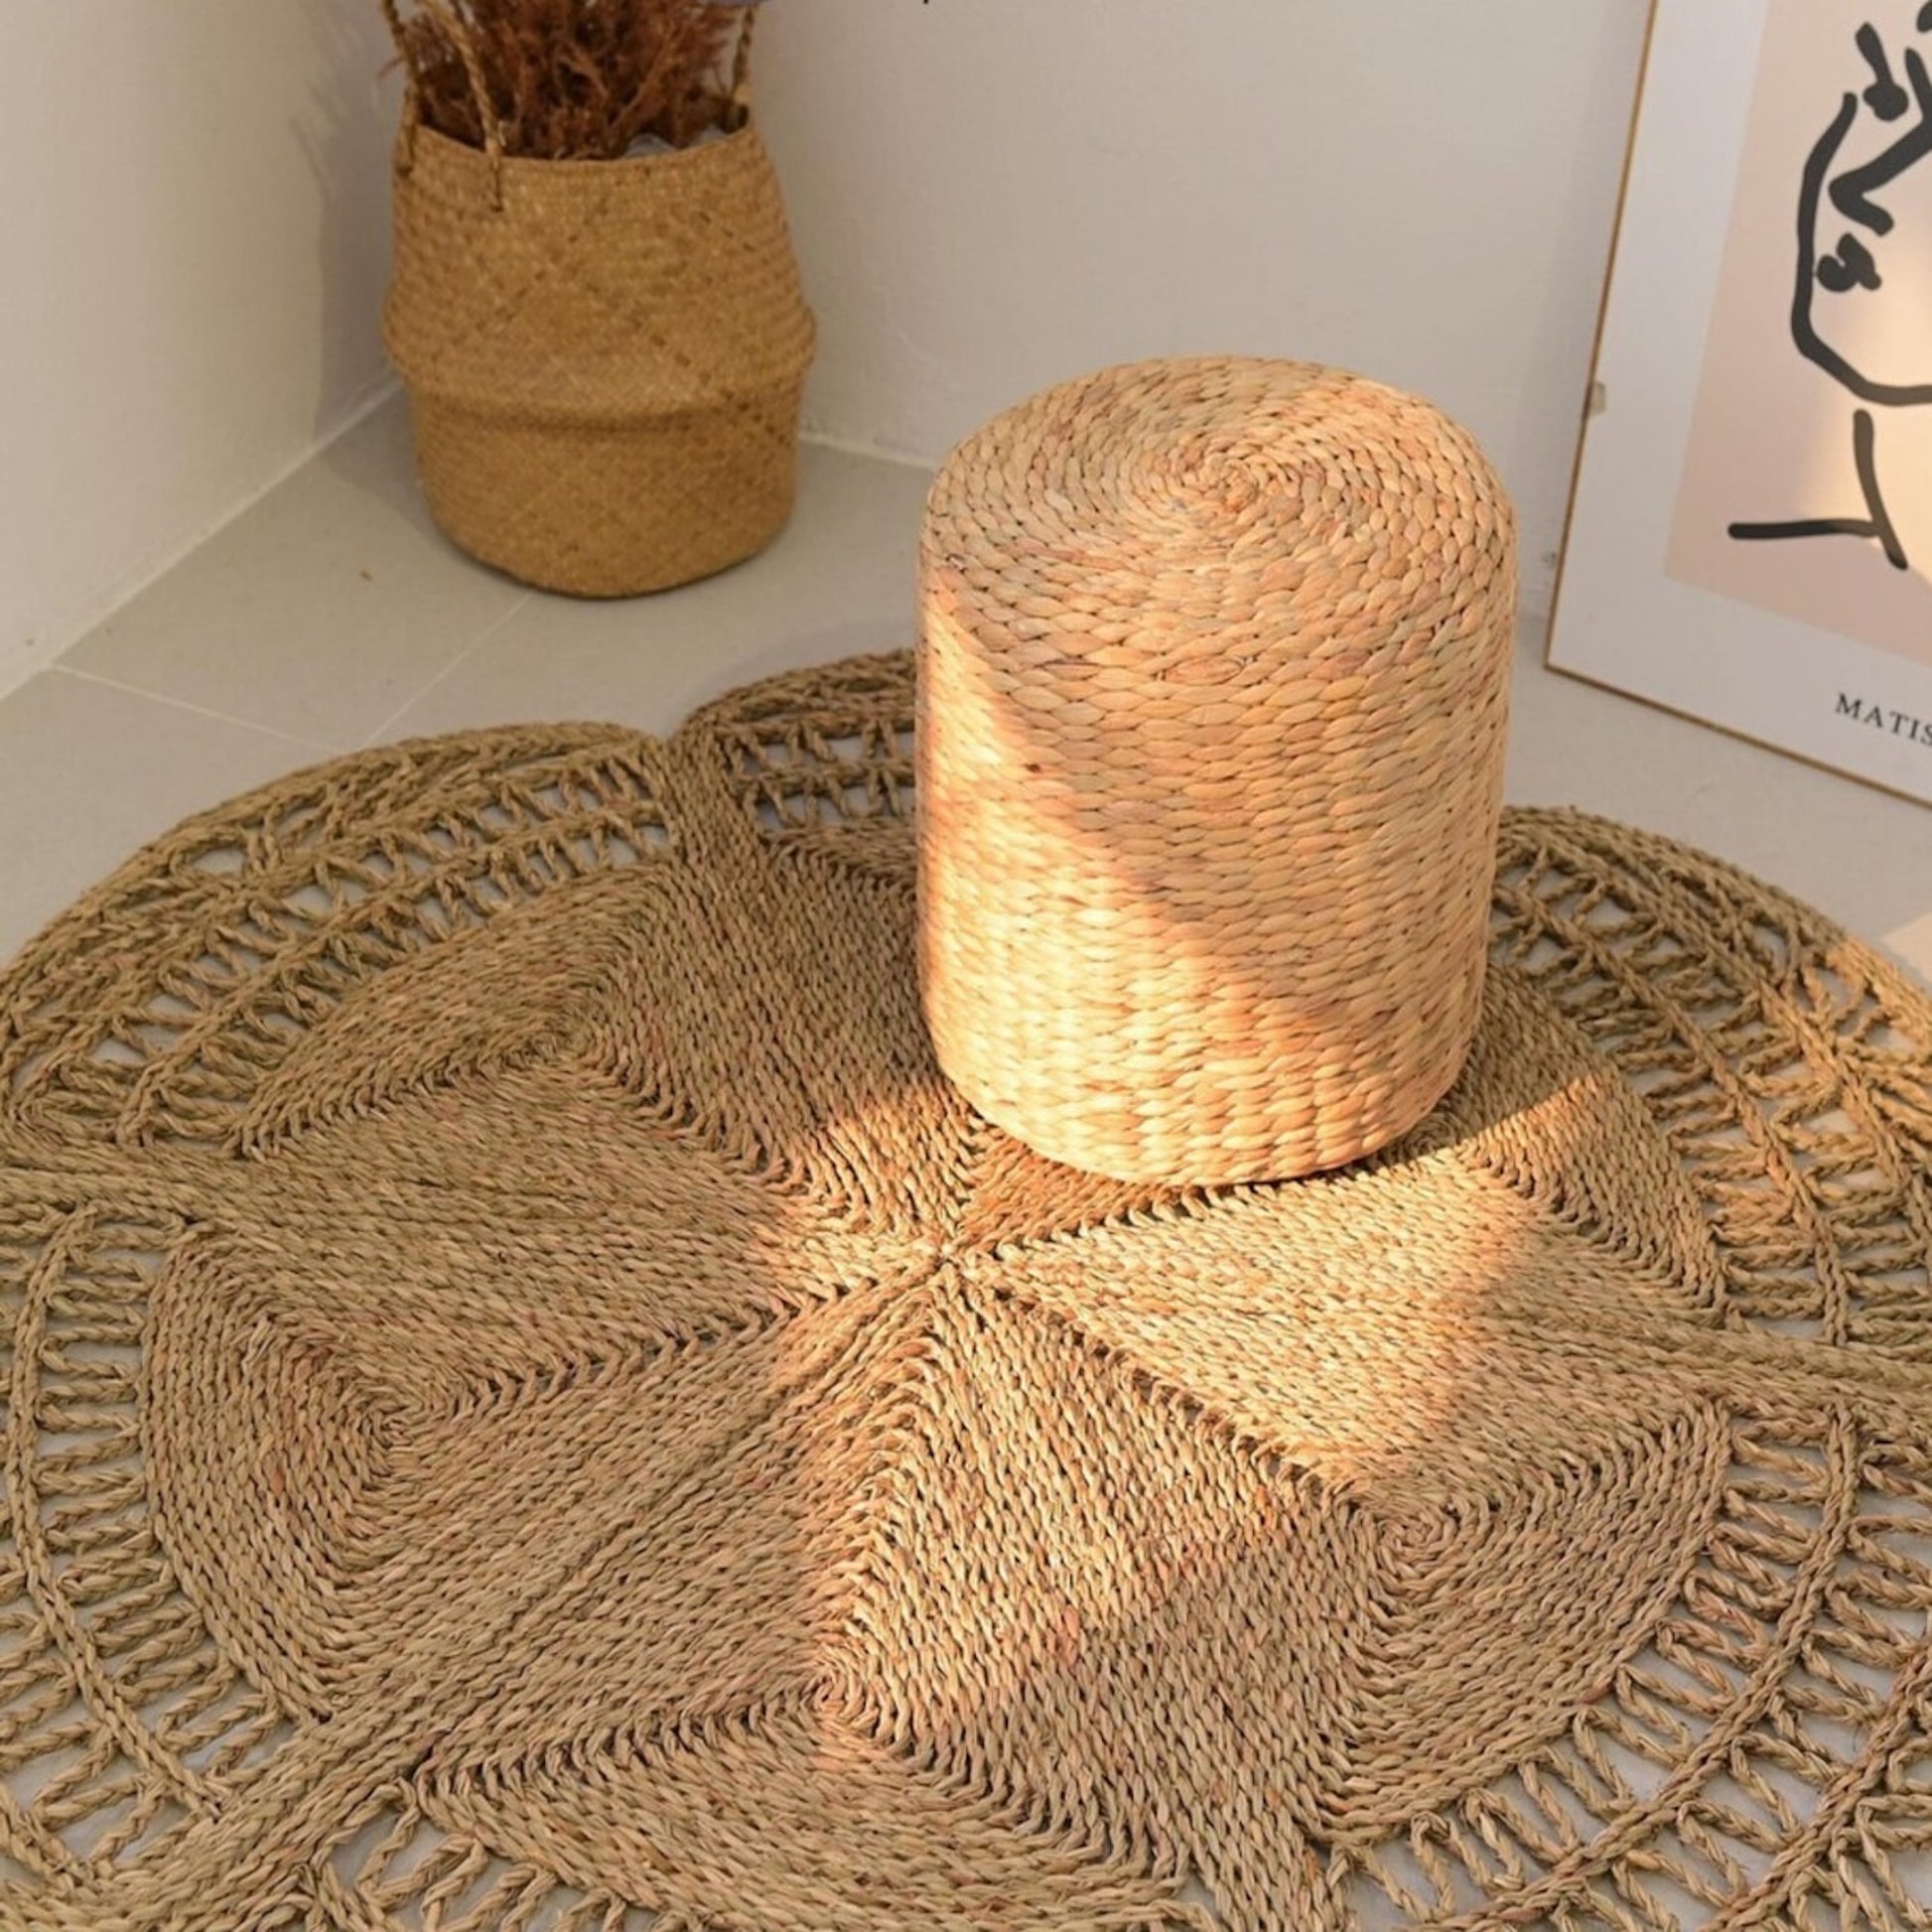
{"points": [[1213, 681]]}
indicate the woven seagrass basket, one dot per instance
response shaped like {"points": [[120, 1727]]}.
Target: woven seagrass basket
{"points": [[1213, 687], [604, 359]]}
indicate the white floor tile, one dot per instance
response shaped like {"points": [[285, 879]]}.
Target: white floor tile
{"points": [[1913, 943], [840, 579], [321, 611], [90, 774]]}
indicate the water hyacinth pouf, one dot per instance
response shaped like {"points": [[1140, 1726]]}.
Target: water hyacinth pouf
{"points": [[1214, 671]]}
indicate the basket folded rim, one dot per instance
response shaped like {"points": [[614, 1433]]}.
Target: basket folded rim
{"points": [[596, 416], [417, 134]]}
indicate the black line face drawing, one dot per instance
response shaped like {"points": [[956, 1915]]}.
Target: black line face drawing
{"points": [[1845, 270]]}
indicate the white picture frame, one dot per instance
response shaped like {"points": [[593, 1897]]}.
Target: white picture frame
{"points": [[1696, 573]]}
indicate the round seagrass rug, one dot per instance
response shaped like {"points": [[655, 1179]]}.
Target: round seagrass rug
{"points": [[529, 1407]]}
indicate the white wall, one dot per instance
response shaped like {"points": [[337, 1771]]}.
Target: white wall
{"points": [[994, 194], [989, 195], [193, 239]]}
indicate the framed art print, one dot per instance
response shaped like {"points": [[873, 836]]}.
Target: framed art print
{"points": [[1750, 531]]}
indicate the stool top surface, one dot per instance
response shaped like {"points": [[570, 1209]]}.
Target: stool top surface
{"points": [[1213, 507]]}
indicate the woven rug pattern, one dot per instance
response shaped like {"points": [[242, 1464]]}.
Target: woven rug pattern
{"points": [[530, 1406]]}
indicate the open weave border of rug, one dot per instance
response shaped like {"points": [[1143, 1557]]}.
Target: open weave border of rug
{"points": [[530, 1406]]}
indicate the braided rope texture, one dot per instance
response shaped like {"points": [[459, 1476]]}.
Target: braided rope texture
{"points": [[604, 358], [1215, 680], [531, 1406]]}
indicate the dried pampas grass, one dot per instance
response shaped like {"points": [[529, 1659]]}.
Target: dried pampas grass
{"points": [[572, 80]]}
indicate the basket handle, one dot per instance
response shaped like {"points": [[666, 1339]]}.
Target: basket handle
{"points": [[456, 30], [741, 93]]}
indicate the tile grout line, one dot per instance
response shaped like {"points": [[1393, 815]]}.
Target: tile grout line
{"points": [[118, 598], [319, 745], [381, 731], [858, 446]]}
